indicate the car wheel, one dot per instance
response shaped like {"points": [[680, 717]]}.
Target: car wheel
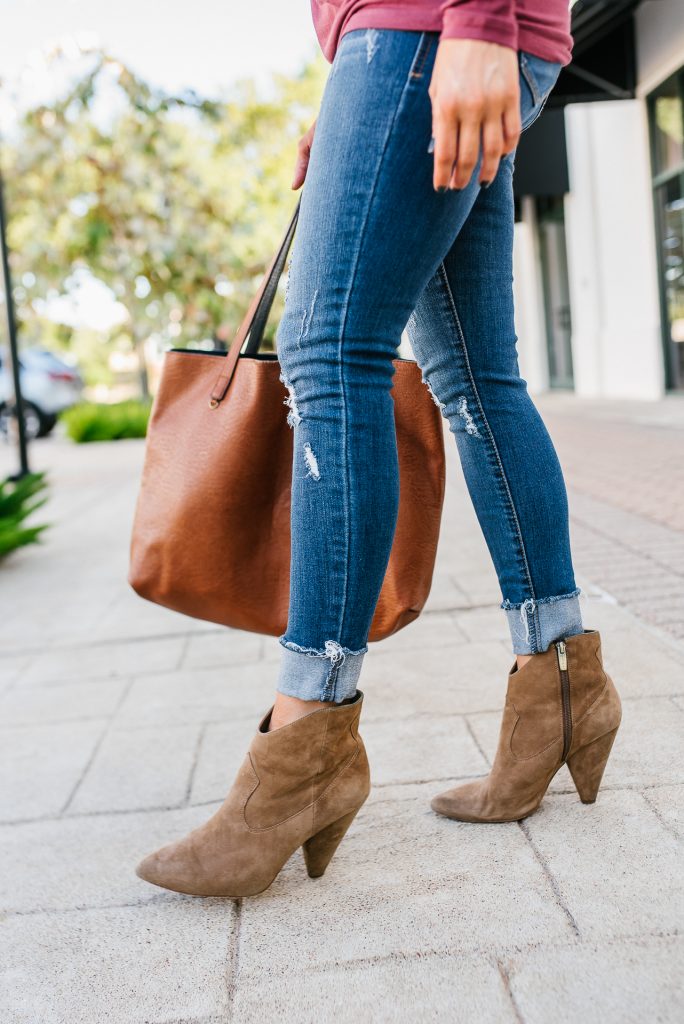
{"points": [[35, 421], [47, 424]]}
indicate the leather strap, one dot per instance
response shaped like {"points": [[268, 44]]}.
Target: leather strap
{"points": [[253, 326]]}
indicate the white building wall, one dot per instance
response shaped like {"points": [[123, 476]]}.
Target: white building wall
{"points": [[530, 323], [612, 256], [616, 334], [612, 266]]}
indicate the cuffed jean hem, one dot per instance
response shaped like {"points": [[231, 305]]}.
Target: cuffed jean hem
{"points": [[535, 624], [331, 674]]}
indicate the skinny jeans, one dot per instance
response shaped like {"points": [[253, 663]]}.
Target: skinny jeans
{"points": [[378, 251]]}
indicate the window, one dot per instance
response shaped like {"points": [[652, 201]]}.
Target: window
{"points": [[666, 118]]}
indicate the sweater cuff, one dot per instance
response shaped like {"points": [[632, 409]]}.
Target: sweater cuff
{"points": [[458, 23]]}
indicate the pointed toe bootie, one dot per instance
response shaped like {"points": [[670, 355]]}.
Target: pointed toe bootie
{"points": [[560, 707], [301, 785]]}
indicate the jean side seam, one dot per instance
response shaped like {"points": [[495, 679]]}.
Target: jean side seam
{"points": [[331, 681], [530, 79], [345, 316], [420, 58], [536, 116], [536, 630], [490, 433], [539, 96]]}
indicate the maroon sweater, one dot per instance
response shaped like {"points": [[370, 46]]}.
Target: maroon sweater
{"points": [[541, 27]]}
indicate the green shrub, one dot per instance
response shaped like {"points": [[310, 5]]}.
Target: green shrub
{"points": [[94, 422], [17, 502]]}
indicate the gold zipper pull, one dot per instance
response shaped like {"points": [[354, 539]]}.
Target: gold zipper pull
{"points": [[562, 656]]}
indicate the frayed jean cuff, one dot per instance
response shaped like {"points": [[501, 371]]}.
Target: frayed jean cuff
{"points": [[535, 624], [310, 674]]}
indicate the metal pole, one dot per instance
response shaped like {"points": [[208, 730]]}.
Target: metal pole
{"points": [[13, 347]]}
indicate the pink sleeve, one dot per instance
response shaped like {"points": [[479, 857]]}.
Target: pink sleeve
{"points": [[490, 20]]}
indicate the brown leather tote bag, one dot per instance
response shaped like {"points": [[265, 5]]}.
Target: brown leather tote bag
{"points": [[211, 536]]}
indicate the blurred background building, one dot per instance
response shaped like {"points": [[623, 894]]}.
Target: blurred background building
{"points": [[600, 239]]}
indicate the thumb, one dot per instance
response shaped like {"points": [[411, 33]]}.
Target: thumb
{"points": [[301, 167]]}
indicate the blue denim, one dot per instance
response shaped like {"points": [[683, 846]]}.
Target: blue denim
{"points": [[378, 250]]}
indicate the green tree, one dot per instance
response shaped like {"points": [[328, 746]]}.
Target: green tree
{"points": [[175, 202]]}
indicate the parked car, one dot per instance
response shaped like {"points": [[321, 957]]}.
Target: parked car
{"points": [[48, 386]]}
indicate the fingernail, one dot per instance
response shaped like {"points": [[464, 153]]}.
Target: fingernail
{"points": [[431, 145], [441, 188], [456, 188], [485, 184]]}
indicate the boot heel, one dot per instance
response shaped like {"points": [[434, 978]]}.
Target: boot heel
{"points": [[588, 765], [320, 849]]}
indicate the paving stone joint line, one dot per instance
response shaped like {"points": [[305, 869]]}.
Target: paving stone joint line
{"points": [[96, 748], [492, 954], [616, 787], [505, 978], [553, 884], [233, 961]]}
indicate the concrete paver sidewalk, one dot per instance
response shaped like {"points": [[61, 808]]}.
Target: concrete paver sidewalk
{"points": [[625, 466], [121, 725]]}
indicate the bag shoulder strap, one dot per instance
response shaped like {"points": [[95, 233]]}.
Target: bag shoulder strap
{"points": [[253, 326]]}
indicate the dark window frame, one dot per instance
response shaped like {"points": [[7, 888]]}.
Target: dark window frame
{"points": [[659, 179]]}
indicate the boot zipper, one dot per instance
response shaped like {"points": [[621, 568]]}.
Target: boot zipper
{"points": [[565, 697]]}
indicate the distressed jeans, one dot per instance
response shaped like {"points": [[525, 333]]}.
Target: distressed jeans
{"points": [[378, 250]]}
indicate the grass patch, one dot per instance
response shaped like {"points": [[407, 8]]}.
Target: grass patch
{"points": [[91, 421]]}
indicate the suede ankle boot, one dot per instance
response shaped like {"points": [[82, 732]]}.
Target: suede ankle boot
{"points": [[560, 707], [301, 785]]}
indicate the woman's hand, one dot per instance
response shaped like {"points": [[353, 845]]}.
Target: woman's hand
{"points": [[303, 154], [475, 96]]}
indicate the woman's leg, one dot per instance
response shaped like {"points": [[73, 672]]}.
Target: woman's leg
{"points": [[561, 707], [372, 233], [463, 335]]}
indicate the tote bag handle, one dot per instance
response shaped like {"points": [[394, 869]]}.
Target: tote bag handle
{"points": [[253, 326]]}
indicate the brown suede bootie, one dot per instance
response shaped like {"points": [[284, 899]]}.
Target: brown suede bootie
{"points": [[560, 707], [301, 785]]}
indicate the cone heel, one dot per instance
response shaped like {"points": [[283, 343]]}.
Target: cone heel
{"points": [[282, 792], [320, 849], [588, 765], [561, 707]]}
